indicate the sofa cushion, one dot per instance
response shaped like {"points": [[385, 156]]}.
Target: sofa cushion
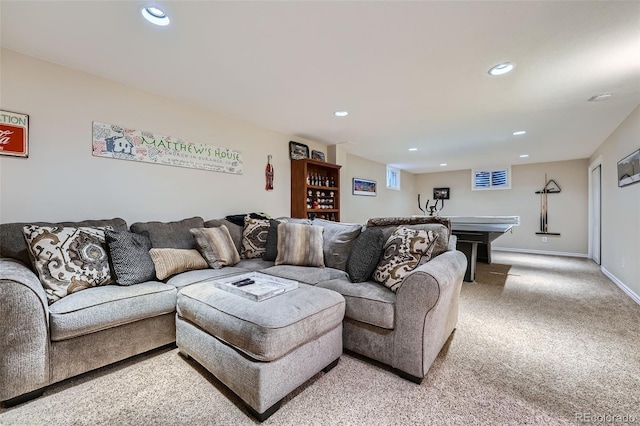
{"points": [[339, 239], [216, 246], [300, 244], [266, 330], [129, 255], [170, 234], [365, 255], [13, 245], [367, 302], [305, 274], [104, 307], [68, 259], [405, 250], [254, 264], [200, 275], [173, 261], [254, 237]]}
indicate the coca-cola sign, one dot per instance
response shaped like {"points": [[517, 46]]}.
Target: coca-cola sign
{"points": [[14, 134]]}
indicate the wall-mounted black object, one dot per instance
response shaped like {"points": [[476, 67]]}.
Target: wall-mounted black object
{"points": [[440, 193]]}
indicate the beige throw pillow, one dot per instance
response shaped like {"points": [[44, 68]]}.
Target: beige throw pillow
{"points": [[300, 244], [216, 246], [173, 261]]}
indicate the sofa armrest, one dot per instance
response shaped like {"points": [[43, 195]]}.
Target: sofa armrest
{"points": [[24, 331], [453, 242], [427, 312]]}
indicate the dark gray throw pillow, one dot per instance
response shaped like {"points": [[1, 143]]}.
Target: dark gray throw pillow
{"points": [[365, 255], [170, 234], [131, 262], [271, 249]]}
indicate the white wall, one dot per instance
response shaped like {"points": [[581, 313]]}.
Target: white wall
{"points": [[567, 211], [61, 180], [387, 202], [620, 207]]}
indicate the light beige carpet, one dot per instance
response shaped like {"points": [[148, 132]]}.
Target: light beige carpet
{"points": [[540, 340]]}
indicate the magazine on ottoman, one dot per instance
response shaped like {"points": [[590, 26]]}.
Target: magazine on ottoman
{"points": [[255, 285]]}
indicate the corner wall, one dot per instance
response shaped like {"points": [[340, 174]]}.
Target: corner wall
{"points": [[387, 202], [567, 211], [620, 245], [61, 180]]}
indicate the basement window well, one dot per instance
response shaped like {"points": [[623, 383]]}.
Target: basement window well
{"points": [[393, 178]]}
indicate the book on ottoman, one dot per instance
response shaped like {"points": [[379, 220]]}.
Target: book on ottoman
{"points": [[255, 285]]}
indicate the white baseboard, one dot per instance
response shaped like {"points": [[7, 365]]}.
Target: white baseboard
{"points": [[620, 284], [552, 253]]}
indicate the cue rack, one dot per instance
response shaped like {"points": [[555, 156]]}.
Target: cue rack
{"points": [[550, 187]]}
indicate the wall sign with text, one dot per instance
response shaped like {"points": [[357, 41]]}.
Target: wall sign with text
{"points": [[114, 141], [14, 134]]}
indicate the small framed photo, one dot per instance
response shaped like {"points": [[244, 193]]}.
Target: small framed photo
{"points": [[298, 151], [629, 169], [317, 155], [364, 187], [14, 134], [440, 193]]}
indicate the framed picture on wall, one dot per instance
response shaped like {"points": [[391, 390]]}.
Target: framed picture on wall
{"points": [[364, 187], [629, 169], [14, 134], [317, 155], [440, 193], [298, 151]]}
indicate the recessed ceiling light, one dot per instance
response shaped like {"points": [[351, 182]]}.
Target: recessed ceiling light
{"points": [[519, 132], [341, 113], [155, 15], [600, 97], [413, 149], [443, 164], [502, 68], [524, 156]]}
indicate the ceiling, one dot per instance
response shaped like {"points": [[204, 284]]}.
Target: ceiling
{"points": [[411, 74]]}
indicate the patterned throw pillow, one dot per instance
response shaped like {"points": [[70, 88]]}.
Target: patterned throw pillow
{"points": [[130, 258], [405, 250], [68, 259], [365, 256], [254, 237], [300, 244], [216, 246], [173, 261]]}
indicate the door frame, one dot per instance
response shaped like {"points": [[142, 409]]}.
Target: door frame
{"points": [[596, 163]]}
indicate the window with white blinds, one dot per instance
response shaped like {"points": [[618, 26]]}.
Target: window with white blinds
{"points": [[483, 179]]}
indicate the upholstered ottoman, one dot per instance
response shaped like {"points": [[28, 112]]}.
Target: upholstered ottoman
{"points": [[261, 350]]}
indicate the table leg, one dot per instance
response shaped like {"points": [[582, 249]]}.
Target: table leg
{"points": [[470, 250], [484, 253]]}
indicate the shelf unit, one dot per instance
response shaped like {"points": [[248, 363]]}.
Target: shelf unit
{"points": [[315, 190]]}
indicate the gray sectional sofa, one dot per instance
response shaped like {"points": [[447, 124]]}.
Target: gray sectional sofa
{"points": [[43, 343]]}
